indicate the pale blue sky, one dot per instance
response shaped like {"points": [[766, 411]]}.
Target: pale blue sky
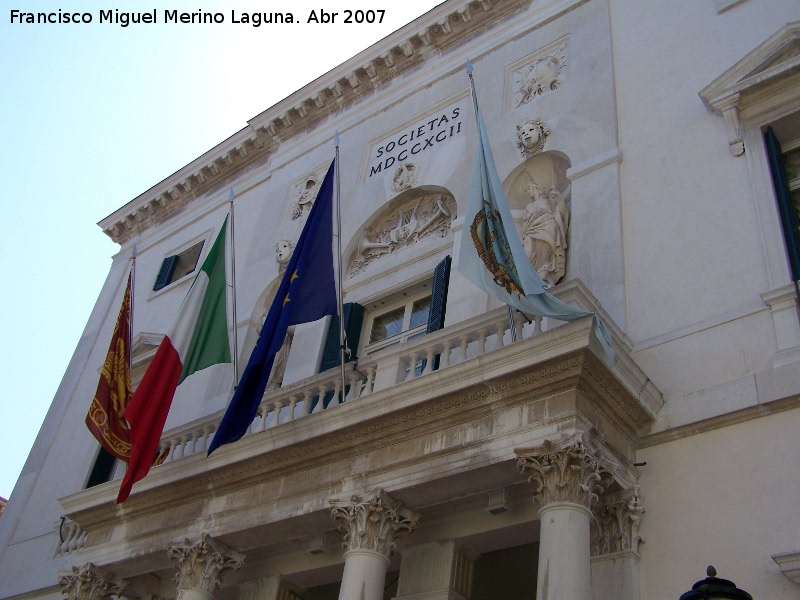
{"points": [[91, 116]]}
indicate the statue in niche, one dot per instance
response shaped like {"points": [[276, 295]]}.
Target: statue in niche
{"points": [[283, 252], [544, 235], [306, 194], [405, 177], [531, 136]]}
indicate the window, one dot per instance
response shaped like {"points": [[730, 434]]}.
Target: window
{"points": [[103, 468], [177, 266], [785, 166], [402, 323]]}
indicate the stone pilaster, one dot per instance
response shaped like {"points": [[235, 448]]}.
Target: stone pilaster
{"points": [[567, 478], [370, 525], [269, 588], [90, 582], [436, 571], [201, 567], [615, 546]]}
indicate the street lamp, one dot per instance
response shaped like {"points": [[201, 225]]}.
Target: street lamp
{"points": [[713, 588]]}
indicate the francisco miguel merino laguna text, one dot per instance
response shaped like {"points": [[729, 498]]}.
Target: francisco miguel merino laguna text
{"points": [[198, 17]]}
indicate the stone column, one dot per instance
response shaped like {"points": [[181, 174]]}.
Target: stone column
{"points": [[370, 525], [90, 582], [269, 588], [567, 478], [201, 567], [615, 546], [436, 571]]}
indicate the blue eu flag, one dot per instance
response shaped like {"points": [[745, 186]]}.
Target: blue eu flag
{"points": [[306, 293]]}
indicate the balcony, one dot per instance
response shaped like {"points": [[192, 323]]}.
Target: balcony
{"points": [[431, 433]]}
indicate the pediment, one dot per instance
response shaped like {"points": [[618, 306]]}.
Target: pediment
{"points": [[776, 58]]}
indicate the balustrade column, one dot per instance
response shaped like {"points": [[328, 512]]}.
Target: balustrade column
{"points": [[567, 479], [202, 566], [90, 582], [370, 524]]}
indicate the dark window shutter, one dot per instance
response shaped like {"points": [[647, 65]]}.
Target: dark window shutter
{"points": [[784, 199], [441, 281], [101, 471], [353, 320], [165, 273]]}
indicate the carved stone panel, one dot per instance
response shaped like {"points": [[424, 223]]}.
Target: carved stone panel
{"points": [[416, 219], [303, 192], [538, 74]]}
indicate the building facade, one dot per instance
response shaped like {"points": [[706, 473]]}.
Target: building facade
{"points": [[468, 461]]}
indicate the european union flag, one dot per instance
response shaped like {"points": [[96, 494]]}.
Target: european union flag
{"points": [[306, 293]]}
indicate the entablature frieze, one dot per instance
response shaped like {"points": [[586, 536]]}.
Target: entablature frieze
{"points": [[401, 52]]}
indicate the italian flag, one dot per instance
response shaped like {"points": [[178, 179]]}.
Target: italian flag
{"points": [[198, 339]]}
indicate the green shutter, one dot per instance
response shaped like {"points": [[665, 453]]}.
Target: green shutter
{"points": [[353, 320], [784, 199], [165, 273], [441, 282]]}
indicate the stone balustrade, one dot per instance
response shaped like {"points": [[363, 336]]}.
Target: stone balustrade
{"points": [[70, 536]]}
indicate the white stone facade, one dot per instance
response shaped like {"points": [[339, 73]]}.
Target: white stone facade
{"points": [[434, 475]]}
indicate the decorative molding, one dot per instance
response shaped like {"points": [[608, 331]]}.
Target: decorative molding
{"points": [[789, 564], [616, 522], [202, 565], [373, 522], [770, 64], [565, 470], [90, 582], [342, 87]]}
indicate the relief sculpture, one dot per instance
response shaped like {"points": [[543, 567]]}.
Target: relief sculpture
{"points": [[423, 217]]}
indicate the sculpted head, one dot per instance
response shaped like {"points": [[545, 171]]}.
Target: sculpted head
{"points": [[283, 251], [531, 135]]}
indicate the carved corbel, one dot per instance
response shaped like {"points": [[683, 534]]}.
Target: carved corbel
{"points": [[730, 112], [465, 15], [388, 59], [353, 80], [407, 48], [242, 150], [336, 89], [445, 26]]}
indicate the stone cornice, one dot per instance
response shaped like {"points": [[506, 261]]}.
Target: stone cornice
{"points": [[370, 70]]}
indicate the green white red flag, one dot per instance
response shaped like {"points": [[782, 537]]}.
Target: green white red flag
{"points": [[198, 339]]}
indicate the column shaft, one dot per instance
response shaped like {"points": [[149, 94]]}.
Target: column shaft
{"points": [[564, 557]]}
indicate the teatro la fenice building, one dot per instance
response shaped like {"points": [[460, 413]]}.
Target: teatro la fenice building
{"points": [[465, 464]]}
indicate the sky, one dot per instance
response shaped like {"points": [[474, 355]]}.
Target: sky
{"points": [[94, 114]]}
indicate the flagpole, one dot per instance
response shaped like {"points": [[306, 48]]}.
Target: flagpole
{"points": [[339, 301], [233, 287], [130, 316], [511, 325]]}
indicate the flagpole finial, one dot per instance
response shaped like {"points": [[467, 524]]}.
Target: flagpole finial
{"points": [[230, 195], [469, 67], [336, 138]]}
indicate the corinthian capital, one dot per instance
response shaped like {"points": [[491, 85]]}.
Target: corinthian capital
{"points": [[373, 522], [615, 527], [90, 582], [201, 566], [564, 471]]}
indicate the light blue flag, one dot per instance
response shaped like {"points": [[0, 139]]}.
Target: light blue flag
{"points": [[492, 256]]}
